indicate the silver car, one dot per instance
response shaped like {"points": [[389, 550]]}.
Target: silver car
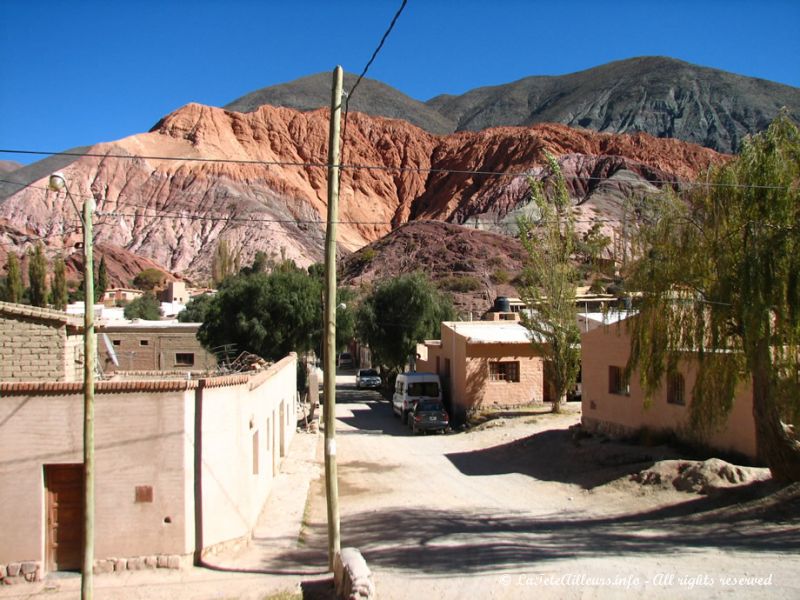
{"points": [[368, 378]]}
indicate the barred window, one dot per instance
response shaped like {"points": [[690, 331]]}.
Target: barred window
{"points": [[617, 382], [676, 387], [504, 371]]}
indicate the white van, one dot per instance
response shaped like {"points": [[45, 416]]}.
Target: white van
{"points": [[411, 387]]}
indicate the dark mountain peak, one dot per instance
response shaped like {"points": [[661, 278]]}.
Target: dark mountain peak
{"points": [[371, 97], [659, 95]]}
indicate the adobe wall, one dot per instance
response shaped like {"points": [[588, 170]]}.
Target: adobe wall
{"points": [[620, 415], [140, 441], [145, 462], [155, 349], [33, 350], [485, 392], [248, 426]]}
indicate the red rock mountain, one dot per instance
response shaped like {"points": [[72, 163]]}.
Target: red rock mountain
{"points": [[259, 180]]}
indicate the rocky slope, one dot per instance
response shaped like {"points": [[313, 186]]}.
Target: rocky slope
{"points": [[660, 96], [259, 180]]}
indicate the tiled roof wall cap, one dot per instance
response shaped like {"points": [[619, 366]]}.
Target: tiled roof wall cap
{"points": [[101, 387]]}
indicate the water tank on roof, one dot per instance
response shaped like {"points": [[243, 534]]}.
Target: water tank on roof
{"points": [[501, 304]]}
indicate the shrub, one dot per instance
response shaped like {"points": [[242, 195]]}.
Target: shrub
{"points": [[460, 283]]}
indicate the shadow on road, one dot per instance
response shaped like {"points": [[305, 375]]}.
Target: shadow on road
{"points": [[376, 417], [553, 455], [434, 541]]}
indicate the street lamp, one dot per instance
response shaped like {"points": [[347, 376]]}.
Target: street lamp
{"points": [[58, 183]]}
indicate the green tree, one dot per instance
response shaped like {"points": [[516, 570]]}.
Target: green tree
{"points": [[146, 307], [267, 314], [13, 288], [196, 309], [101, 285], [722, 278], [398, 314], [37, 276], [549, 280], [224, 263], [58, 293], [149, 279]]}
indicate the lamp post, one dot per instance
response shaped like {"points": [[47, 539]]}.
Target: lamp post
{"points": [[58, 183]]}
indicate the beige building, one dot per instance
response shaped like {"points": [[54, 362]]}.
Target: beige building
{"points": [[181, 467], [616, 406], [39, 344], [153, 346], [120, 295], [485, 363]]}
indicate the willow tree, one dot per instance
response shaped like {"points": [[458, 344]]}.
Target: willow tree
{"points": [[721, 284], [550, 277]]}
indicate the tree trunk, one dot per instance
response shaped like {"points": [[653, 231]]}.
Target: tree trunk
{"points": [[775, 441]]}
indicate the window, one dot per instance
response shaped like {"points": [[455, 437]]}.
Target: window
{"points": [[144, 342], [117, 342], [504, 371], [184, 359], [617, 382], [675, 389], [424, 388]]}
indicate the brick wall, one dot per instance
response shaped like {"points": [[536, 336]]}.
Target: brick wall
{"points": [[32, 350]]}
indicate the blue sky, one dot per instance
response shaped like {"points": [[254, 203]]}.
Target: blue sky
{"points": [[77, 72]]}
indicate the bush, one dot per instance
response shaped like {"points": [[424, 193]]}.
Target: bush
{"points": [[500, 276], [146, 307], [460, 283]]}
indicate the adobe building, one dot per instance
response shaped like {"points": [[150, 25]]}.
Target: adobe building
{"points": [[182, 467], [114, 296], [614, 405], [39, 344], [153, 346], [486, 363]]}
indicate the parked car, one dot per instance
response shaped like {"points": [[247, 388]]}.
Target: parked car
{"points": [[410, 388], [368, 378], [428, 415], [346, 361]]}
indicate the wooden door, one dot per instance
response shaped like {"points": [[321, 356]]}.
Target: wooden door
{"points": [[64, 489]]}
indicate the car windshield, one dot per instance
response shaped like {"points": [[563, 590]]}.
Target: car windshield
{"points": [[428, 406], [424, 388], [368, 373]]}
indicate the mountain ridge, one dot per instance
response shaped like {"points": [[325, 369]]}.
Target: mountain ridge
{"points": [[702, 105]]}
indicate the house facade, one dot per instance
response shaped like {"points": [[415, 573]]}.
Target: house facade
{"points": [[153, 346], [486, 363], [39, 344], [616, 406], [182, 467]]}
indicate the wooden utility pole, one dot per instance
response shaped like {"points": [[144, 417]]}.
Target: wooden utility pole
{"points": [[331, 482], [88, 402], [56, 183]]}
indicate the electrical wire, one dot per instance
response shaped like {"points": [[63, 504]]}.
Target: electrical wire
{"points": [[388, 168], [350, 94]]}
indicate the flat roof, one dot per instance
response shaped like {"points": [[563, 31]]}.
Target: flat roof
{"points": [[491, 332]]}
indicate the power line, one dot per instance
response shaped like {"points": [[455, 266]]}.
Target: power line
{"points": [[388, 168], [350, 94]]}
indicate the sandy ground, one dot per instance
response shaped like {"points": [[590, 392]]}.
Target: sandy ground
{"points": [[516, 508]]}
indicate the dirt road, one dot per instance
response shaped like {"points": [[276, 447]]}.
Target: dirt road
{"points": [[521, 510]]}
